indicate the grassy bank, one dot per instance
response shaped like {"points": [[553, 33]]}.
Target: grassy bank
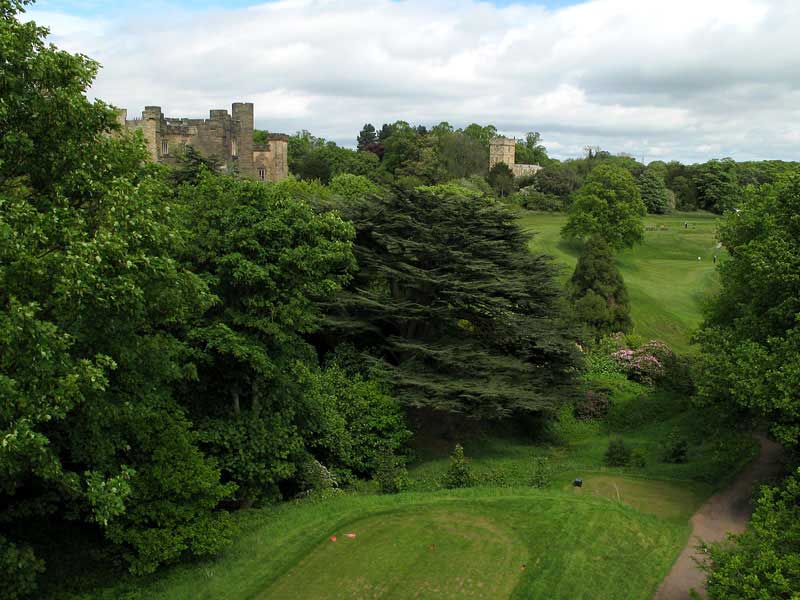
{"points": [[665, 281]]}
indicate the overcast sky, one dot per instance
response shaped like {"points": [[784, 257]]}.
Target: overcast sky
{"points": [[660, 79]]}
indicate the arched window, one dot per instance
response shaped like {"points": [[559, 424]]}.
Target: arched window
{"points": [[164, 148]]}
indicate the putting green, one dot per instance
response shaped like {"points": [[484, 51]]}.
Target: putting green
{"points": [[433, 553]]}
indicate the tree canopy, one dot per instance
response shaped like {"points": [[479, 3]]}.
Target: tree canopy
{"points": [[751, 337], [448, 294], [607, 205]]}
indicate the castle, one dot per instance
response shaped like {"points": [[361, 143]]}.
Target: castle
{"points": [[228, 138], [503, 149]]}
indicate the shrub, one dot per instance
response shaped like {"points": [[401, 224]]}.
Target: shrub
{"points": [[618, 454], [355, 420], [542, 473], [640, 365], [391, 473], [638, 458], [19, 569], [459, 474], [315, 477], [593, 405], [675, 449], [535, 200]]}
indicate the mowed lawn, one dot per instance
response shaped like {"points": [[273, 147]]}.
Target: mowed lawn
{"points": [[475, 543], [665, 281]]}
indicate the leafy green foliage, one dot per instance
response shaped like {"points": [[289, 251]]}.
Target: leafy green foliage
{"points": [[541, 472], [19, 569], [617, 454], [608, 205], [92, 302], [654, 192], [450, 297], [530, 151], [391, 473], [751, 340], [598, 291], [675, 448], [458, 474], [365, 422], [763, 563], [501, 179]]}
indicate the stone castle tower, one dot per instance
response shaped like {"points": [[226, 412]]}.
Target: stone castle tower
{"points": [[503, 149], [228, 138]]}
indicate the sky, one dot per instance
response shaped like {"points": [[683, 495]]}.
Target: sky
{"points": [[686, 80]]}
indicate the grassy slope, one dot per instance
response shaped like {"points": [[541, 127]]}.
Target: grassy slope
{"points": [[614, 538], [467, 543], [665, 280]]}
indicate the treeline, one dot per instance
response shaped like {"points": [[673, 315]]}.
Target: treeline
{"points": [[410, 156], [177, 344]]}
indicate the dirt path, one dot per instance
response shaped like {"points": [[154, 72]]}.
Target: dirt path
{"points": [[726, 512]]}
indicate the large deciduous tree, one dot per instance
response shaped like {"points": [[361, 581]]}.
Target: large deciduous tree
{"points": [[268, 260], [654, 192], [751, 338], [91, 303], [607, 205]]}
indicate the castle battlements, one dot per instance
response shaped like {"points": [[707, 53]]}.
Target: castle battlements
{"points": [[226, 137]]}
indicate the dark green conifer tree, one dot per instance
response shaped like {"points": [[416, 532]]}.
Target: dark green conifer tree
{"points": [[598, 290], [449, 295]]}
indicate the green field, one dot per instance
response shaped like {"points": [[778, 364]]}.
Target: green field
{"points": [[665, 281], [615, 537]]}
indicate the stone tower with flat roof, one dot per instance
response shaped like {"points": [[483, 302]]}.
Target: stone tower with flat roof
{"points": [[503, 149]]}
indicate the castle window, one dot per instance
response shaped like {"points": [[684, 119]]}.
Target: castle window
{"points": [[262, 173], [164, 148], [234, 149]]}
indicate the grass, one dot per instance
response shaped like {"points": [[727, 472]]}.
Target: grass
{"points": [[666, 283], [614, 537], [454, 544]]}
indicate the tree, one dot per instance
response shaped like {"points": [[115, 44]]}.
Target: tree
{"points": [[717, 189], [461, 155], [557, 179], [92, 302], [481, 134], [501, 178], [761, 563], [598, 291], [450, 297], [654, 193], [366, 137], [750, 361], [608, 205], [269, 261], [530, 151]]}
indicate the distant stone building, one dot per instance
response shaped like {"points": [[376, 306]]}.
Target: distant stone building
{"points": [[228, 138], [503, 149]]}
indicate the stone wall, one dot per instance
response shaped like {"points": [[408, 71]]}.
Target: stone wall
{"points": [[227, 138]]}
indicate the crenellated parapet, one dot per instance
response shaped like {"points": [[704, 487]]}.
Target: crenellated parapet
{"points": [[225, 137]]}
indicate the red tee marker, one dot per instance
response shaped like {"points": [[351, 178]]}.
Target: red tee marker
{"points": [[333, 538]]}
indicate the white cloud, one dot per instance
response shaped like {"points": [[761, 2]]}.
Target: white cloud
{"points": [[685, 79]]}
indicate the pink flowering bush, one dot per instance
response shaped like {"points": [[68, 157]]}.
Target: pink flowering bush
{"points": [[642, 364]]}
